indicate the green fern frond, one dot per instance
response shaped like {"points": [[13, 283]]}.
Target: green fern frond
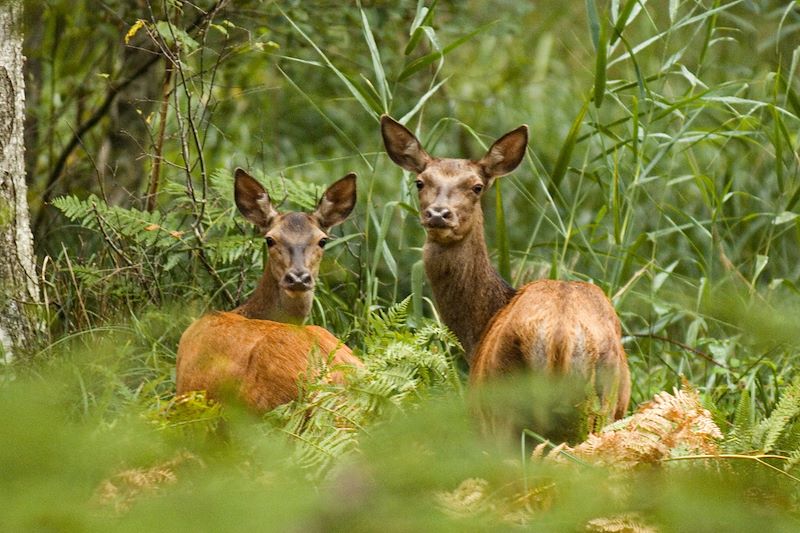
{"points": [[781, 419], [385, 325], [740, 437], [148, 229]]}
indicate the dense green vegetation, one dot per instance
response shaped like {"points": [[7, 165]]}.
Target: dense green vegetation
{"points": [[663, 166]]}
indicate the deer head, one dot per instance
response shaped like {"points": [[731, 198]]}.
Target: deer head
{"points": [[295, 240], [450, 190]]}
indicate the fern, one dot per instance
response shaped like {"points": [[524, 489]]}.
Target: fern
{"points": [[740, 437], [150, 229], [387, 325], [779, 423], [401, 366]]}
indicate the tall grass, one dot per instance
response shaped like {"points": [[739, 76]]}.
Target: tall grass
{"points": [[662, 167]]}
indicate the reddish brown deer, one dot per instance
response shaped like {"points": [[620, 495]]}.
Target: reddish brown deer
{"points": [[260, 350], [553, 328]]}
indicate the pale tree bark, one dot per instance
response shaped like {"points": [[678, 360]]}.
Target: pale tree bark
{"points": [[18, 282]]}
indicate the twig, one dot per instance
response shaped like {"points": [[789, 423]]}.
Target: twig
{"points": [[683, 346], [107, 237], [75, 283], [114, 90], [137, 268], [155, 174]]}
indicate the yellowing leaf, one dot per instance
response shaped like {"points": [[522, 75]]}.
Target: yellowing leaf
{"points": [[135, 28]]}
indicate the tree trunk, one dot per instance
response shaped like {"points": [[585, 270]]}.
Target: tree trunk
{"points": [[18, 283]]}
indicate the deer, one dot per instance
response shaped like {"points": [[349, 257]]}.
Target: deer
{"points": [[259, 351], [547, 328]]}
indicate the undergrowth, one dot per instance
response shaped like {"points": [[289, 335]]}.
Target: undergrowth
{"points": [[663, 167]]}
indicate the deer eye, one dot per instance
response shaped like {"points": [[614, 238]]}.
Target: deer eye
{"points": [[477, 189], [323, 241], [270, 241], [420, 184]]}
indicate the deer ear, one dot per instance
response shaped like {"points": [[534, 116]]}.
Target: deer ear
{"points": [[252, 200], [402, 146], [337, 202], [506, 153]]}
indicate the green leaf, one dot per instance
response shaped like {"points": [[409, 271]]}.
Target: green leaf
{"points": [[622, 21], [594, 22], [339, 74], [170, 33], [564, 155], [504, 259], [783, 218], [421, 102], [421, 20], [422, 62], [377, 65], [600, 67], [761, 263]]}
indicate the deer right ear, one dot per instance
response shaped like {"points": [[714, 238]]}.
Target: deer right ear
{"points": [[506, 153], [252, 200], [402, 146]]}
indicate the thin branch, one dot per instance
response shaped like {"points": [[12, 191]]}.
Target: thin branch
{"points": [[114, 90], [155, 174], [682, 346]]}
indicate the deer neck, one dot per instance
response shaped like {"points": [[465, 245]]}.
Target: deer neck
{"points": [[467, 289], [270, 302]]}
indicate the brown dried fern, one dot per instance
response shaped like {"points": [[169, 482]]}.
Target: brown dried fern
{"points": [[121, 490], [669, 425]]}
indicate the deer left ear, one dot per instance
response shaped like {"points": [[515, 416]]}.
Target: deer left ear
{"points": [[506, 153], [403, 146], [337, 202], [252, 200]]}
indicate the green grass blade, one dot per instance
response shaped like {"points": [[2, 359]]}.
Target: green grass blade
{"points": [[417, 295], [504, 258], [600, 67], [421, 102], [594, 22], [422, 62], [377, 65], [339, 74], [622, 20], [342, 134], [560, 168], [422, 18]]}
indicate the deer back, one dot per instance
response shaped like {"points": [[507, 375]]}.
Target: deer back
{"points": [[260, 362], [558, 328]]}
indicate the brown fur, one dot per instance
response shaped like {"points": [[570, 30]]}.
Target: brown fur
{"points": [[258, 361], [558, 327], [548, 327], [452, 271], [260, 351]]}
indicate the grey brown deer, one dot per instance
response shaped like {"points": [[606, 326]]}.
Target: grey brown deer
{"points": [[547, 327], [260, 350]]}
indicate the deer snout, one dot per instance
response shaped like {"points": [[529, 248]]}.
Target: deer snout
{"points": [[438, 217], [298, 280]]}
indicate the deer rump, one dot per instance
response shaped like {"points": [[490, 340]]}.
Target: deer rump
{"points": [[566, 333], [258, 362]]}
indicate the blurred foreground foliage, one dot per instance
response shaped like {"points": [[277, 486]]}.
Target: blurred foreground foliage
{"points": [[663, 167]]}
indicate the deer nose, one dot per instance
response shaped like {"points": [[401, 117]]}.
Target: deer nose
{"points": [[438, 216], [298, 280], [438, 212]]}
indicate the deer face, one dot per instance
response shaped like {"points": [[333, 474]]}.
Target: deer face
{"points": [[450, 189], [295, 240]]}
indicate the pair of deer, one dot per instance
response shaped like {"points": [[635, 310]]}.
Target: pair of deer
{"points": [[548, 327]]}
